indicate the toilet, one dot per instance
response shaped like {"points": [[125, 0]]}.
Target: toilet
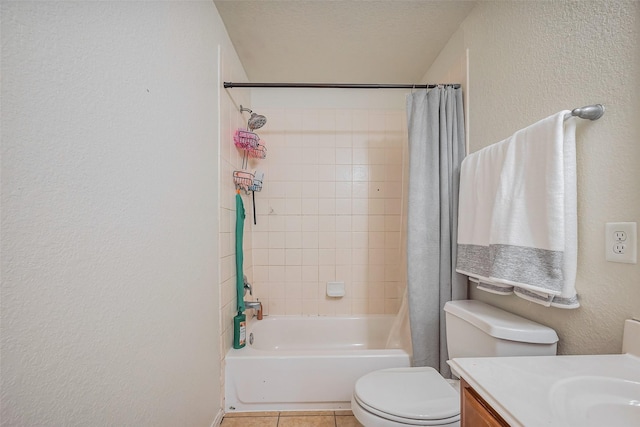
{"points": [[401, 397]]}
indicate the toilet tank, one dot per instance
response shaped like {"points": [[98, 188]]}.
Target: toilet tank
{"points": [[476, 329]]}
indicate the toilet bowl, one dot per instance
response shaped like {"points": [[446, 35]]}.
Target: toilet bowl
{"points": [[405, 397], [400, 397]]}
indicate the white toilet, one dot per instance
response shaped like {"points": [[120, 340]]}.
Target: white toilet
{"points": [[421, 396]]}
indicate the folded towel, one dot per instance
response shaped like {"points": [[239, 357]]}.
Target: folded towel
{"points": [[518, 219], [477, 194]]}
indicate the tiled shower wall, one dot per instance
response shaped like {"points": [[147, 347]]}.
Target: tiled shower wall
{"points": [[332, 209]]}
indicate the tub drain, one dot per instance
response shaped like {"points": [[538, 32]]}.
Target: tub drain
{"points": [[251, 338]]}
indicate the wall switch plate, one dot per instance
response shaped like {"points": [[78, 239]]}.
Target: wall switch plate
{"points": [[621, 242]]}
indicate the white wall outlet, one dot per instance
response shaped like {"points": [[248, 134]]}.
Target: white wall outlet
{"points": [[621, 242]]}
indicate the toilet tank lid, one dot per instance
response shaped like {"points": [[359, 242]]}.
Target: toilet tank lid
{"points": [[501, 324]]}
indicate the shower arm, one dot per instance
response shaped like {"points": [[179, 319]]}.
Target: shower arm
{"points": [[256, 121]]}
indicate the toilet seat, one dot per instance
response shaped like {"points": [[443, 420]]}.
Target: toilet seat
{"points": [[408, 396]]}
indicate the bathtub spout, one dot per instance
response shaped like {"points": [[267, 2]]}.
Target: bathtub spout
{"points": [[256, 306]]}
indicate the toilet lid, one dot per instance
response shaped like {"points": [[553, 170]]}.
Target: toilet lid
{"points": [[417, 396]]}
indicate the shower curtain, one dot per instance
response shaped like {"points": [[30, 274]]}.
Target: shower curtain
{"points": [[436, 149]]}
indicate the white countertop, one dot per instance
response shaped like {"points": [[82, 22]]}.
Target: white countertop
{"points": [[521, 389]]}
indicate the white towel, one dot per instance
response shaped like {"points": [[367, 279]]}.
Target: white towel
{"points": [[479, 180], [517, 218]]}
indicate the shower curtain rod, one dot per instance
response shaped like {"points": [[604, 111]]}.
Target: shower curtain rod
{"points": [[338, 85], [590, 112]]}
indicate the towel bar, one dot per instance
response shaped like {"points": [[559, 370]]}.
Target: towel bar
{"points": [[591, 112]]}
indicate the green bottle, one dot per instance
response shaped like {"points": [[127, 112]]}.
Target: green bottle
{"points": [[239, 330]]}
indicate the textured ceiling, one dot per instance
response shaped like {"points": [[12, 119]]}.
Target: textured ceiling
{"points": [[325, 41]]}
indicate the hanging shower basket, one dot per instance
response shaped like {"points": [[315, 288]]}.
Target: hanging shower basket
{"points": [[249, 143], [256, 185], [246, 140], [244, 179], [259, 152], [258, 177], [247, 180]]}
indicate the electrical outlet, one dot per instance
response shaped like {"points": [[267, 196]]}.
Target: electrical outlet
{"points": [[621, 242], [619, 236], [618, 248]]}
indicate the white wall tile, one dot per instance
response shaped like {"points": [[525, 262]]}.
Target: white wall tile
{"points": [[310, 239], [276, 256], [293, 206], [293, 223], [326, 273], [310, 223], [310, 273], [344, 140], [276, 240], [327, 206], [327, 172], [360, 190], [309, 206], [326, 223], [310, 257], [293, 257], [331, 212], [360, 172], [327, 190], [293, 239], [276, 273]]}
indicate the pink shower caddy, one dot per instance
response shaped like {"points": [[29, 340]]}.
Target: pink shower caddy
{"points": [[244, 179], [259, 152], [246, 140], [249, 142]]}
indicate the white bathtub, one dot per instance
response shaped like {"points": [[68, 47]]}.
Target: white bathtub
{"points": [[306, 363]]}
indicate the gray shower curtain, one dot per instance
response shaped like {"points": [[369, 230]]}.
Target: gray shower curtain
{"points": [[436, 149]]}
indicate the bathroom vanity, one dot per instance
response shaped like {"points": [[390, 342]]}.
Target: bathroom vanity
{"points": [[553, 391], [475, 411]]}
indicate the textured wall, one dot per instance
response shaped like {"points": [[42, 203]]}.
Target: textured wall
{"points": [[109, 213], [528, 60]]}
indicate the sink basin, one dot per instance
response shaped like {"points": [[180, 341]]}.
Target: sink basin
{"points": [[596, 401]]}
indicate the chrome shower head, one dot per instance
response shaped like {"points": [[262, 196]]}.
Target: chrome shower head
{"points": [[256, 121]]}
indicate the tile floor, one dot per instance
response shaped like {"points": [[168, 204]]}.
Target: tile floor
{"points": [[291, 419]]}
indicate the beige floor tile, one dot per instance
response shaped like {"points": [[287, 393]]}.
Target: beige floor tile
{"points": [[347, 421], [250, 422], [304, 413], [251, 414], [344, 412], [307, 421]]}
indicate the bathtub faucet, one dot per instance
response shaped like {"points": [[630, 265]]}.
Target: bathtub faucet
{"points": [[256, 306]]}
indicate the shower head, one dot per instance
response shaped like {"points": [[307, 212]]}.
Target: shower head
{"points": [[256, 121]]}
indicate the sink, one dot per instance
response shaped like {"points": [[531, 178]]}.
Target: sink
{"points": [[596, 401]]}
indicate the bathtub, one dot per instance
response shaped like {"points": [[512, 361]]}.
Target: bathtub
{"points": [[306, 363]]}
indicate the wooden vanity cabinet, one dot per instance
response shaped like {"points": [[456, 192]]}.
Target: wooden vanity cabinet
{"points": [[475, 412]]}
